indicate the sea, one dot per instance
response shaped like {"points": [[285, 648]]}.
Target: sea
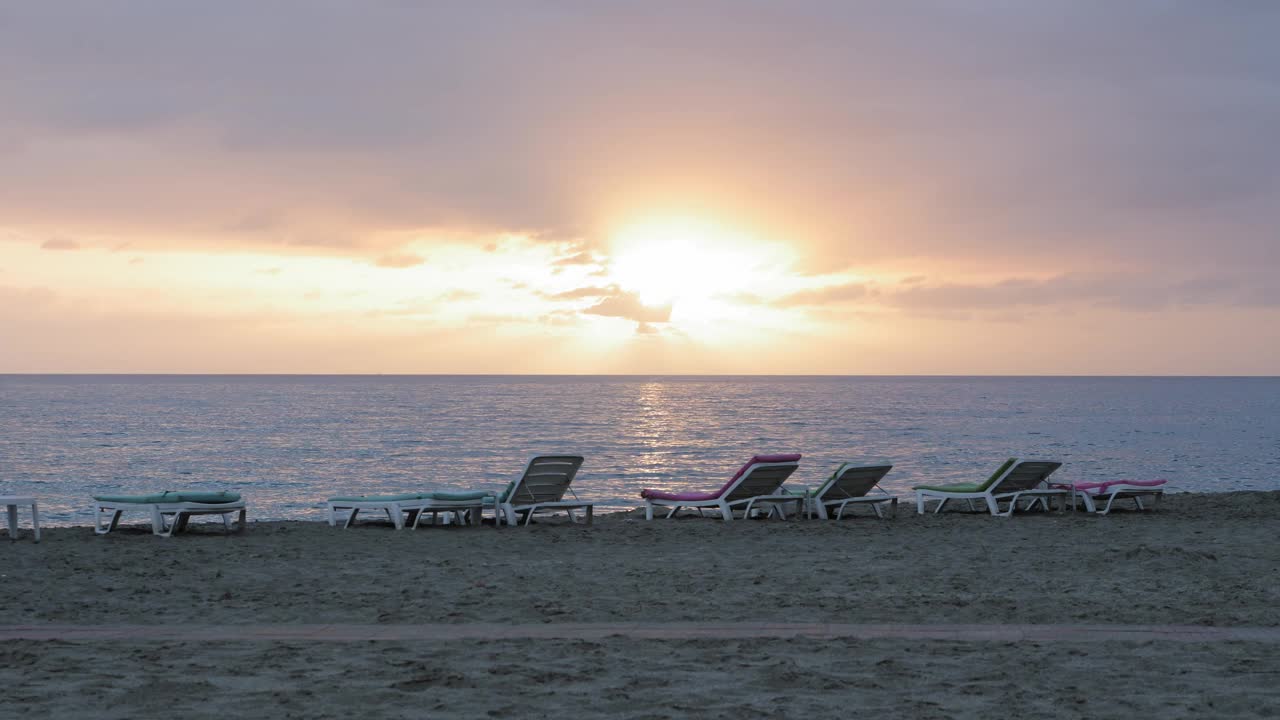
{"points": [[288, 442]]}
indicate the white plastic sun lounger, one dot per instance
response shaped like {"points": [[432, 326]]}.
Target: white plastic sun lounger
{"points": [[1094, 494], [1014, 481], [851, 484], [409, 509], [180, 506], [757, 483], [541, 488]]}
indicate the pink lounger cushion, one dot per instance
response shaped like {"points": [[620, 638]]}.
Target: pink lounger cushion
{"points": [[653, 494], [1102, 488]]}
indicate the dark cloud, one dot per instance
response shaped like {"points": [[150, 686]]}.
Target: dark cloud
{"points": [[1067, 131], [1122, 291], [60, 244], [623, 304], [826, 296]]}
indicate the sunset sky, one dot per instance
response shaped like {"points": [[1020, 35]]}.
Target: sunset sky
{"points": [[937, 187]]}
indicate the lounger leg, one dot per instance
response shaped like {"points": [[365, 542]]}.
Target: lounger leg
{"points": [[994, 507], [351, 518], [329, 513], [589, 510], [241, 526], [98, 514], [157, 521], [13, 522], [919, 503], [942, 502], [727, 513], [648, 510]]}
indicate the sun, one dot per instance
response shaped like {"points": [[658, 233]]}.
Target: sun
{"points": [[681, 262]]}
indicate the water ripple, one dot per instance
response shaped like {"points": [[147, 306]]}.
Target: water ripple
{"points": [[289, 442]]}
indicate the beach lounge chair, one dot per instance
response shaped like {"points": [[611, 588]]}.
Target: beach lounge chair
{"points": [[180, 505], [409, 509], [759, 481], [541, 488], [1094, 493], [1012, 482], [851, 484]]}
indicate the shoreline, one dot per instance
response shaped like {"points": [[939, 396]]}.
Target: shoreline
{"points": [[605, 512], [906, 505]]}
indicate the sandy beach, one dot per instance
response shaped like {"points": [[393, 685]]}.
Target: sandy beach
{"points": [[1208, 560]]}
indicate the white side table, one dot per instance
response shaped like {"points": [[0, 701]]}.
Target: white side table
{"points": [[12, 502]]}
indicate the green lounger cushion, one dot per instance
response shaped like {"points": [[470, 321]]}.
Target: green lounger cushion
{"points": [[169, 496], [972, 487], [378, 498]]}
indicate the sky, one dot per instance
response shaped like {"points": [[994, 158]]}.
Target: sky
{"points": [[739, 187]]}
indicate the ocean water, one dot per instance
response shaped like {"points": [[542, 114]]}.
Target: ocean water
{"points": [[288, 442]]}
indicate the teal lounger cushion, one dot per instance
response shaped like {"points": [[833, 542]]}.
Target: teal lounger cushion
{"points": [[443, 496], [972, 487], [170, 496], [502, 496], [379, 498], [460, 496]]}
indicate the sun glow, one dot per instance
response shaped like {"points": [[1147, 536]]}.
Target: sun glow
{"points": [[691, 265]]}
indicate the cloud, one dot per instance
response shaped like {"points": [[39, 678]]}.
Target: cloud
{"points": [[826, 296], [59, 244], [622, 304], [583, 292], [399, 260], [581, 258]]}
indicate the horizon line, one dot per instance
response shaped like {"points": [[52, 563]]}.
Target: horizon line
{"points": [[630, 375]]}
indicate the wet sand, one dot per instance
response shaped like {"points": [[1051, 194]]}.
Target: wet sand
{"points": [[1199, 560]]}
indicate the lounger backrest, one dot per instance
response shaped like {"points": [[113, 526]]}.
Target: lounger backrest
{"points": [[546, 478], [759, 478], [852, 480], [1025, 476]]}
